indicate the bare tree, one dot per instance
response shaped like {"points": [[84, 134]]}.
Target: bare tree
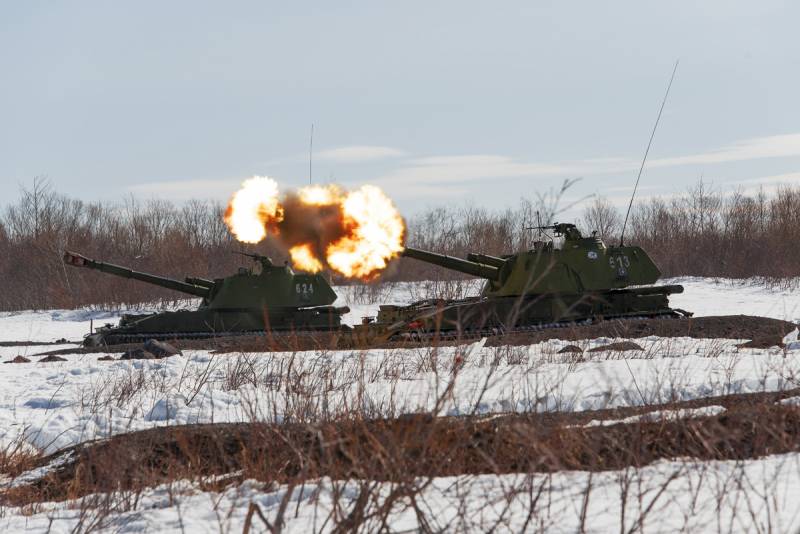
{"points": [[602, 216]]}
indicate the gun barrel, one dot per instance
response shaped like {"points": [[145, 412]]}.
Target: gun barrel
{"points": [[486, 259], [666, 290], [202, 282], [457, 264], [76, 260]]}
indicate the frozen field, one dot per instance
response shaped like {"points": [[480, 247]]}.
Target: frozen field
{"points": [[48, 406], [667, 496], [54, 405]]}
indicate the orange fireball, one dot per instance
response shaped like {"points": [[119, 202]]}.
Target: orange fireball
{"points": [[303, 258], [376, 236], [353, 233], [252, 207]]}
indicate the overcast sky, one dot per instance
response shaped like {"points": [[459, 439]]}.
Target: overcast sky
{"points": [[436, 102]]}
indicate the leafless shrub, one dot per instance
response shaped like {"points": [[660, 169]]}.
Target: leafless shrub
{"points": [[601, 216], [709, 233], [17, 456], [703, 233], [331, 428]]}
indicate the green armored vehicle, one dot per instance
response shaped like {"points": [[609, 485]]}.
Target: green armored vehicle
{"points": [[582, 280], [264, 298]]}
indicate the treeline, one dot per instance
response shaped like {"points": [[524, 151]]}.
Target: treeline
{"points": [[707, 232], [702, 233], [153, 235]]}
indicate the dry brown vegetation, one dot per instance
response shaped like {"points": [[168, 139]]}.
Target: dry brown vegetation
{"points": [[363, 443], [420, 445], [409, 452], [703, 233], [330, 424], [707, 232]]}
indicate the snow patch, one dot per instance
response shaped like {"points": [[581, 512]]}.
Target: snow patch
{"points": [[659, 415], [791, 337], [165, 409], [681, 495], [38, 473]]}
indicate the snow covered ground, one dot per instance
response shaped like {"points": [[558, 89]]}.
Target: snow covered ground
{"points": [[48, 406], [715, 296], [667, 496], [54, 405]]}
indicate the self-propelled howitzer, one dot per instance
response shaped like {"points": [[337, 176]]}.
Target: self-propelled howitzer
{"points": [[263, 298], [581, 280]]}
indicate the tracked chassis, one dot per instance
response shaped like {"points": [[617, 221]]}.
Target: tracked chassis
{"points": [[487, 316], [205, 324]]}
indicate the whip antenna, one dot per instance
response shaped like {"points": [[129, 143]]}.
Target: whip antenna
{"points": [[647, 151], [310, 152]]}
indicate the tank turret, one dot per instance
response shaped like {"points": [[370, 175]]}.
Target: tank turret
{"points": [[581, 264]]}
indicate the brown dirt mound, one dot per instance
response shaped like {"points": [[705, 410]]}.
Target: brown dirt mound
{"points": [[571, 349], [160, 349], [137, 354], [52, 358], [417, 445], [19, 359]]}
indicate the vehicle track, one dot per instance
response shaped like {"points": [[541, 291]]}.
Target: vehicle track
{"points": [[757, 332]]}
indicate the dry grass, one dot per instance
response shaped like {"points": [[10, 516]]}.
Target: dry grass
{"points": [[705, 233], [363, 443], [406, 451], [716, 233], [18, 457]]}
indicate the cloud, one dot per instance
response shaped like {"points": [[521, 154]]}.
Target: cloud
{"points": [[421, 193], [356, 153], [473, 167], [748, 186], [775, 146], [456, 169], [787, 178], [188, 189], [767, 184], [437, 176]]}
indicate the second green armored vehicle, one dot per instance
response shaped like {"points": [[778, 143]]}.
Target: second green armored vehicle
{"points": [[582, 280], [265, 298]]}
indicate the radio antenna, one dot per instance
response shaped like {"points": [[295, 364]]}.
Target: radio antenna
{"points": [[646, 152], [310, 152]]}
